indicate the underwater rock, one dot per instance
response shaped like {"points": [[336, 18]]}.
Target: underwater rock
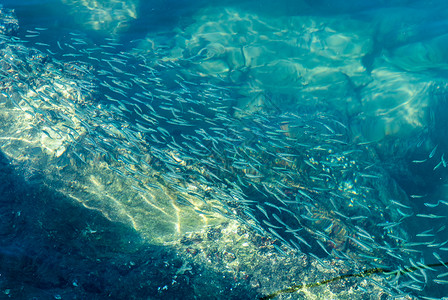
{"points": [[109, 16], [204, 147], [8, 22], [280, 57]]}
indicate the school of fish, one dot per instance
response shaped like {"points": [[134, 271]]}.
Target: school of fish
{"points": [[173, 140]]}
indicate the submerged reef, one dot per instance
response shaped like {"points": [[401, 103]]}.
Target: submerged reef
{"points": [[237, 160]]}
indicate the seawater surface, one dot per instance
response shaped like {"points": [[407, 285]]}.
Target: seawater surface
{"points": [[223, 149]]}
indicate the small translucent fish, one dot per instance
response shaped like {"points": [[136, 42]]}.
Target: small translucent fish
{"points": [[418, 196], [442, 275], [414, 278], [419, 161], [425, 235], [396, 237], [427, 231], [182, 201], [437, 166], [432, 205], [397, 256], [279, 220], [437, 256], [404, 214], [366, 143], [253, 176], [388, 225], [422, 265], [75, 33], [368, 175], [433, 151], [260, 208], [359, 243], [344, 216], [305, 194], [138, 189], [430, 216], [271, 225], [47, 133], [441, 229], [440, 281], [310, 164], [42, 44], [301, 239], [275, 233], [280, 250], [321, 262], [358, 218], [322, 246], [420, 142], [400, 204]]}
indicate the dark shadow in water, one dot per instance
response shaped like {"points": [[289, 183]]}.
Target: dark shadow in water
{"points": [[47, 13], [50, 246]]}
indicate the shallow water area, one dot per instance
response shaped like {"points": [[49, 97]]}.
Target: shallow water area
{"points": [[234, 150]]}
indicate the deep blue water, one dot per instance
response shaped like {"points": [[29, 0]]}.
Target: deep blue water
{"points": [[334, 111]]}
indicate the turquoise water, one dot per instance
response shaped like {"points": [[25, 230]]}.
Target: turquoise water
{"points": [[177, 149]]}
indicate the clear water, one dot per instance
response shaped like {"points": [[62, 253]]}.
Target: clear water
{"points": [[320, 125]]}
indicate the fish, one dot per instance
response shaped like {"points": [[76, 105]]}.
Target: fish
{"points": [[440, 281], [432, 205], [296, 177], [430, 216], [433, 151]]}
